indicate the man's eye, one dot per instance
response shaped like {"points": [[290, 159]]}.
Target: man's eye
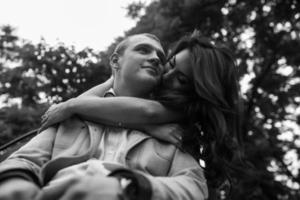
{"points": [[143, 50], [172, 63]]}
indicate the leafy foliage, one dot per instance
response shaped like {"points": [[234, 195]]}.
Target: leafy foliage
{"points": [[32, 74], [264, 36]]}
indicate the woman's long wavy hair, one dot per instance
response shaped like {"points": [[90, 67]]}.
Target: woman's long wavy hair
{"points": [[212, 107]]}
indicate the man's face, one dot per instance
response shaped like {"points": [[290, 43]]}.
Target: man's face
{"points": [[141, 64]]}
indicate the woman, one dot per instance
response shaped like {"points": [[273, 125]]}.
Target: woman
{"points": [[200, 82]]}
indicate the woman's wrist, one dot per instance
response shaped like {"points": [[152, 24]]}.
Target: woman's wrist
{"points": [[70, 106]]}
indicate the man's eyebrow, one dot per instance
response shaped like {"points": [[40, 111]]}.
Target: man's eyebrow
{"points": [[143, 45], [160, 53]]}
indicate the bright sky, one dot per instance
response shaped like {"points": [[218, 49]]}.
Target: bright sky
{"points": [[82, 23]]}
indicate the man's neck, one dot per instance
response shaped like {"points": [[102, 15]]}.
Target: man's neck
{"points": [[125, 90]]}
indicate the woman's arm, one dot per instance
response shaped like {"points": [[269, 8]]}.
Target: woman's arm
{"points": [[100, 89], [123, 110], [128, 112], [148, 116]]}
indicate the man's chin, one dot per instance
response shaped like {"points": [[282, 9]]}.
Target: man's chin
{"points": [[150, 80]]}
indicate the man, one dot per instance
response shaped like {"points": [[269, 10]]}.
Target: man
{"points": [[84, 160]]}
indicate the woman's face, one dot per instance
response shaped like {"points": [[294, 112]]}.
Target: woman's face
{"points": [[179, 72]]}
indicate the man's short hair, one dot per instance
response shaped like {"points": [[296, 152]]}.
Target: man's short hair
{"points": [[120, 48]]}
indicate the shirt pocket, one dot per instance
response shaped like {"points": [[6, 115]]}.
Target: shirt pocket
{"points": [[151, 157]]}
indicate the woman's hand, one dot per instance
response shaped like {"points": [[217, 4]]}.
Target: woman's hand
{"points": [[56, 114], [167, 132]]}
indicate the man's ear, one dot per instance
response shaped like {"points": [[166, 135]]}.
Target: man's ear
{"points": [[114, 58]]}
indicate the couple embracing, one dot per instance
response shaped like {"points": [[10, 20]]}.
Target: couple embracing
{"points": [[140, 134]]}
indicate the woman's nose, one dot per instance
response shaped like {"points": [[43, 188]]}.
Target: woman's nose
{"points": [[167, 77]]}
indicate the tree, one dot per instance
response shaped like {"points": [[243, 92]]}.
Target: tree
{"points": [[32, 74]]}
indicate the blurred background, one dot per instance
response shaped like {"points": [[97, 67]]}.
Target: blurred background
{"points": [[51, 51]]}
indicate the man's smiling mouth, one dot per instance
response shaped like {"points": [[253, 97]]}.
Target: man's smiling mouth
{"points": [[152, 68]]}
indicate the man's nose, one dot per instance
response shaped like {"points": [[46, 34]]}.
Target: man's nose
{"points": [[154, 61]]}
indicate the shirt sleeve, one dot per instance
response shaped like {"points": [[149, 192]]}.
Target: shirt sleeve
{"points": [[26, 162]]}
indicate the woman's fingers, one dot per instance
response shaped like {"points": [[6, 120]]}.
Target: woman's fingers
{"points": [[177, 140], [46, 122], [45, 125], [174, 141], [51, 116], [41, 129], [44, 117], [176, 133]]}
